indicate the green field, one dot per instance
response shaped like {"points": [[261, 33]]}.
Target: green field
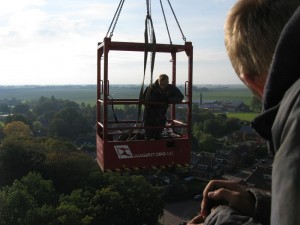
{"points": [[77, 93], [87, 93], [242, 116], [232, 92]]}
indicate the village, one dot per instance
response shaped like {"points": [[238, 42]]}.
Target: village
{"points": [[245, 160], [243, 157]]}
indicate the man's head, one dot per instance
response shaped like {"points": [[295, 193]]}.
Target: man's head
{"points": [[252, 30], [163, 81]]}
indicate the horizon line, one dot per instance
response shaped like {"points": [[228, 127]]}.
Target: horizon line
{"points": [[10, 85]]}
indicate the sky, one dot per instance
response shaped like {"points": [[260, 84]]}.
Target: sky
{"points": [[54, 42]]}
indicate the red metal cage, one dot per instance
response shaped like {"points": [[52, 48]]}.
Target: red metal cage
{"points": [[114, 154]]}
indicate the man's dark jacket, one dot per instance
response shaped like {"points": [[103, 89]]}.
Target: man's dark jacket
{"points": [[156, 104], [279, 124]]}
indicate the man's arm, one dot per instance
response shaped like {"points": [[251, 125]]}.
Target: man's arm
{"points": [[286, 166], [225, 215], [174, 95], [249, 204], [227, 192]]}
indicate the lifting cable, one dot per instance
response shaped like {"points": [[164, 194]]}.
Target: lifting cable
{"points": [[183, 37], [115, 18], [114, 23], [163, 11], [150, 46], [124, 134]]}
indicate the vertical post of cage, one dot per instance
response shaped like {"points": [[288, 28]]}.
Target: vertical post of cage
{"points": [[174, 72], [98, 103], [189, 52], [107, 42]]}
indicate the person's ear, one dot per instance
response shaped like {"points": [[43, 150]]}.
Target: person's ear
{"points": [[255, 83]]}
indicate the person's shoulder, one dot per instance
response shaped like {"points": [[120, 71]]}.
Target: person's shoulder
{"points": [[171, 86], [293, 91]]}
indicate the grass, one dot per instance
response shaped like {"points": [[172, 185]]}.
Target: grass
{"points": [[232, 93], [242, 116], [77, 93], [87, 93]]}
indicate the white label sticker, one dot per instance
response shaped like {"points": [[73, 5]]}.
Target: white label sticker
{"points": [[123, 151]]}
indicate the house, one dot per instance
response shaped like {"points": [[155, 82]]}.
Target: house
{"points": [[260, 178], [235, 106], [205, 167], [246, 133]]}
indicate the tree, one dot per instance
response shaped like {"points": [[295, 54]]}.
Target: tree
{"points": [[17, 158], [207, 143], [18, 117], [45, 105], [4, 108], [68, 170], [256, 104], [90, 114], [68, 214], [17, 129], [79, 200], [1, 132], [213, 127], [231, 125], [142, 200], [87, 196], [107, 203], [113, 199], [203, 116], [41, 190], [69, 123], [21, 108], [59, 128], [38, 129], [46, 118], [59, 146], [28, 201]]}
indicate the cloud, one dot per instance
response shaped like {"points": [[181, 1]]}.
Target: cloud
{"points": [[16, 6], [55, 42], [21, 20], [38, 44]]}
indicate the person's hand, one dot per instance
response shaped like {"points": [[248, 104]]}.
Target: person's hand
{"points": [[197, 220], [218, 192]]}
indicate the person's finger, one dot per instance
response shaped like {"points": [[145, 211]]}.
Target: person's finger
{"points": [[214, 185], [196, 220], [239, 200], [223, 194]]}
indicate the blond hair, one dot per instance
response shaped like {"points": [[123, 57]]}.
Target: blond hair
{"points": [[252, 30]]}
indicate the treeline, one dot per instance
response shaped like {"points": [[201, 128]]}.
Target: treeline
{"points": [[52, 117], [208, 127], [46, 180]]}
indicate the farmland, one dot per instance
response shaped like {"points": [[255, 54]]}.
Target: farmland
{"points": [[87, 93], [242, 116]]}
